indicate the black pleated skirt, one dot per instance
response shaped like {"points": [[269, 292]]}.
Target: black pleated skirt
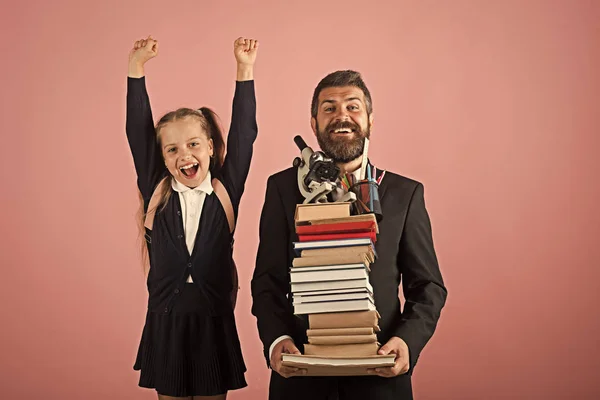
{"points": [[188, 352]]}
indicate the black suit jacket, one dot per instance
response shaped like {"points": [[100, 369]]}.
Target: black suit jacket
{"points": [[405, 255]]}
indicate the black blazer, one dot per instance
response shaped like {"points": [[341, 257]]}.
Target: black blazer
{"points": [[170, 261], [405, 255]]}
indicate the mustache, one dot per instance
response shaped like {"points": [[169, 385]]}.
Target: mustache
{"points": [[342, 125]]}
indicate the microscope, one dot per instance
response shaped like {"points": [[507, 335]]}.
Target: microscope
{"points": [[317, 175]]}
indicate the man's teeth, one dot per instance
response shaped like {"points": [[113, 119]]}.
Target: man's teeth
{"points": [[343, 130], [189, 166]]}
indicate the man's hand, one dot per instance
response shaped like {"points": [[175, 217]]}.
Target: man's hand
{"points": [[398, 347], [286, 346], [142, 51], [245, 51]]}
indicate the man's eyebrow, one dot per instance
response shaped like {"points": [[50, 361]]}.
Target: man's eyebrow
{"points": [[345, 100]]}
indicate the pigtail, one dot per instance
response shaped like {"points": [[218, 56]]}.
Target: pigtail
{"points": [[216, 134]]}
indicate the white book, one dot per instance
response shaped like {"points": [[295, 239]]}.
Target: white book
{"points": [[330, 285], [323, 244], [329, 275], [368, 289], [327, 267], [334, 306], [333, 297]]}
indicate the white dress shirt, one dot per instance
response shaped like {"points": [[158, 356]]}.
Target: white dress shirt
{"points": [[192, 202]]}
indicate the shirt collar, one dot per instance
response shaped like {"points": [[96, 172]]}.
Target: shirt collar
{"points": [[205, 186], [356, 174]]}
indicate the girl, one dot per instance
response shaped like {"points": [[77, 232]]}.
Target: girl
{"points": [[191, 193]]}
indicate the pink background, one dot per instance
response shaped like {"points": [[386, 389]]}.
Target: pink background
{"points": [[493, 105]]}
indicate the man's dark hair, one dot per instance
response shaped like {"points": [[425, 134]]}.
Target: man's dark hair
{"points": [[339, 79]]}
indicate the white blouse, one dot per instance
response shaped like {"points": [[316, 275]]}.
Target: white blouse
{"points": [[192, 202]]}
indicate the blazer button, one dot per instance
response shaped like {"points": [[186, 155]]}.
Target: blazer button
{"points": [[179, 213], [176, 291], [166, 309], [179, 236], [189, 265]]}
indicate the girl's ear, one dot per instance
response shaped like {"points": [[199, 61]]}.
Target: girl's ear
{"points": [[211, 147]]}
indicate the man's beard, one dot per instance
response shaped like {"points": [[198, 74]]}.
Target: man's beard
{"points": [[340, 148]]}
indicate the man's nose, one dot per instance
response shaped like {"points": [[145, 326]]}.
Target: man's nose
{"points": [[342, 115]]}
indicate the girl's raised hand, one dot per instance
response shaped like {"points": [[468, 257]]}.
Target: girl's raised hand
{"points": [[142, 51], [245, 50]]}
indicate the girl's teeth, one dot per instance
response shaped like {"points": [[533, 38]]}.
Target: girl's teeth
{"points": [[189, 166]]}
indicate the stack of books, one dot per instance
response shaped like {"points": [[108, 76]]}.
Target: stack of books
{"points": [[330, 282]]}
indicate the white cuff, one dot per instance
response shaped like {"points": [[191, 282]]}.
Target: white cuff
{"points": [[279, 339]]}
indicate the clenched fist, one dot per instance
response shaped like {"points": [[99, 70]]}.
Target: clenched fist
{"points": [[245, 50], [142, 51]]}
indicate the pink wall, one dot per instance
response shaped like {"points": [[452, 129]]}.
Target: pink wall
{"points": [[493, 105]]}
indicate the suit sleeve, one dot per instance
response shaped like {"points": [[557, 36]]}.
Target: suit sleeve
{"points": [[240, 140], [270, 282], [142, 138], [422, 283]]}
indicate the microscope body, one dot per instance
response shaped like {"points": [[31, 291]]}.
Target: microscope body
{"points": [[316, 175]]}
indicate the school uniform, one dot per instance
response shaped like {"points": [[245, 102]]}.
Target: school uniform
{"points": [[190, 345]]}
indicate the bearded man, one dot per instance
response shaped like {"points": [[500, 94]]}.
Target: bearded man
{"points": [[341, 119]]}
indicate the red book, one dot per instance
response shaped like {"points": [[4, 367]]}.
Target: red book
{"points": [[336, 236], [342, 227]]}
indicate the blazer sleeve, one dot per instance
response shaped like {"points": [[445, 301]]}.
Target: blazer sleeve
{"points": [[141, 136], [422, 283], [240, 140], [270, 282]]}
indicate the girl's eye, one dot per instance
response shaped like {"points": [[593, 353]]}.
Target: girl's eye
{"points": [[172, 149], [194, 144]]}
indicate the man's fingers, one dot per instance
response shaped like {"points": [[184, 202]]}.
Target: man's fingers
{"points": [[385, 372], [401, 366], [286, 372], [290, 348], [389, 372]]}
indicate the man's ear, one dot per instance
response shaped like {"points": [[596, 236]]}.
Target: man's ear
{"points": [[313, 125]]}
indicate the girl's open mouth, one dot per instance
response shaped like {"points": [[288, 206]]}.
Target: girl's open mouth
{"points": [[190, 170]]}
